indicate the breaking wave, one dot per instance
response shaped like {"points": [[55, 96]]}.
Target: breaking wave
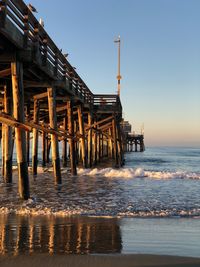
{"points": [[138, 172]]}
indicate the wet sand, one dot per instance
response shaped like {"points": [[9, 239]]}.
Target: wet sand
{"points": [[97, 261]]}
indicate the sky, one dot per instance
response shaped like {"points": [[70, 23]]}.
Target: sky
{"points": [[160, 59]]}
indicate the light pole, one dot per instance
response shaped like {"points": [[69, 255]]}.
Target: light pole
{"points": [[119, 77]]}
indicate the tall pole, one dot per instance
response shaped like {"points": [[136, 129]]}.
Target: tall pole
{"points": [[119, 77]]}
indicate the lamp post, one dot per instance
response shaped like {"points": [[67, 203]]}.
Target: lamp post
{"points": [[119, 77]]}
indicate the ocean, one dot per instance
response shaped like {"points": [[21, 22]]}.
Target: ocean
{"points": [[149, 206]]}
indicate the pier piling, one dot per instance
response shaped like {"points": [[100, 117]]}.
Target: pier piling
{"points": [[18, 113], [35, 137], [54, 138]]}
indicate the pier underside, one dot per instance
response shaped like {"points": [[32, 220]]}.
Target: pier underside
{"points": [[44, 101]]}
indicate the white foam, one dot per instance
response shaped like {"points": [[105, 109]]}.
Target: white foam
{"points": [[172, 175], [138, 172]]}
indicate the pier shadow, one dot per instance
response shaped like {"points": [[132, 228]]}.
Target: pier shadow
{"points": [[56, 235]]}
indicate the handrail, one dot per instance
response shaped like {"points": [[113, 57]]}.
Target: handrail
{"points": [[103, 100], [133, 135], [35, 36]]}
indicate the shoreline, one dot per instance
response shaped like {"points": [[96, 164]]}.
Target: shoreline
{"points": [[79, 235], [139, 260]]}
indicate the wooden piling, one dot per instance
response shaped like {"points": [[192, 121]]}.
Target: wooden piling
{"points": [[35, 138], [28, 133], [98, 146], [136, 146], [71, 140], [64, 144], [44, 151], [115, 142], [90, 122], [3, 148], [110, 143], [82, 133], [18, 113], [107, 148], [54, 139], [119, 144], [95, 142], [102, 145], [7, 133], [48, 148]]}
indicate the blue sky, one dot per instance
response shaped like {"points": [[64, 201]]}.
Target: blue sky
{"points": [[160, 58]]}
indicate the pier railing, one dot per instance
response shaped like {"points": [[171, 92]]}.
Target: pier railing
{"points": [[135, 135], [15, 16], [19, 24], [107, 102]]}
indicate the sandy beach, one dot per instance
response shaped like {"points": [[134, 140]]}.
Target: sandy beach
{"points": [[97, 261]]}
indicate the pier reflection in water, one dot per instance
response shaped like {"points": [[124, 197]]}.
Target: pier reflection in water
{"points": [[54, 235]]}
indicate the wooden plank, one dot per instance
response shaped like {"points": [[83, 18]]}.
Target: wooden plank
{"points": [[40, 96], [12, 33], [3, 11], [28, 126], [99, 122], [4, 73], [5, 118], [106, 126], [32, 84]]}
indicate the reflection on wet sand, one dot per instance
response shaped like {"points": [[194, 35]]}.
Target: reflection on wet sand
{"points": [[53, 235]]}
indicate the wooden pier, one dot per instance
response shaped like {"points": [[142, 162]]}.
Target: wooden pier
{"points": [[42, 98], [131, 142], [134, 143]]}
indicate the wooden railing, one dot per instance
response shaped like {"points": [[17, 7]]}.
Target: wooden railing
{"points": [[106, 101], [35, 37], [134, 135]]}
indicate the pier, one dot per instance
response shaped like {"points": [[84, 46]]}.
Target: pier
{"points": [[43, 99], [132, 142]]}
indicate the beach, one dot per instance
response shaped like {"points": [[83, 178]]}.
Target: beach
{"points": [[98, 261], [145, 214]]}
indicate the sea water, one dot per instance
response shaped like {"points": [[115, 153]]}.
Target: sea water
{"points": [[142, 208]]}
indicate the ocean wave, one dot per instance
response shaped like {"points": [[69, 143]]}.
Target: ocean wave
{"points": [[138, 172], [125, 173]]}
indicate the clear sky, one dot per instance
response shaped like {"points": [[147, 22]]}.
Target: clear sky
{"points": [[160, 58]]}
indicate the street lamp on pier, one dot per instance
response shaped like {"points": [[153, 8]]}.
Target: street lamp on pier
{"points": [[119, 77]]}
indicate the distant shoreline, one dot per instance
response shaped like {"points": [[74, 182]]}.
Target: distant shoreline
{"points": [[138, 260]]}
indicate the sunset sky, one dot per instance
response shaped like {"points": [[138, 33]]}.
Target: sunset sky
{"points": [[160, 59]]}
